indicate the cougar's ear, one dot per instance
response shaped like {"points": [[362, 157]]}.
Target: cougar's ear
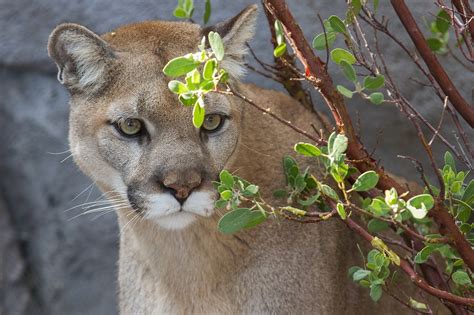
{"points": [[84, 59], [235, 32]]}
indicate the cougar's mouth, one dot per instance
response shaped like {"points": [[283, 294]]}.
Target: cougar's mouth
{"points": [[164, 209]]}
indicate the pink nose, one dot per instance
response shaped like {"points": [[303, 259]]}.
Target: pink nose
{"points": [[182, 186]]}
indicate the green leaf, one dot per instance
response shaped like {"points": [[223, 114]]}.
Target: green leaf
{"points": [[226, 194], [307, 149], [188, 98], [423, 255], [379, 207], [234, 221], [434, 43], [339, 54], [375, 292], [226, 178], [449, 160], [465, 228], [356, 6], [328, 191], [468, 194], [352, 270], [339, 171], [319, 42], [279, 50], [177, 87], [207, 85], [300, 183], [207, 11], [331, 139], [180, 66], [376, 98], [220, 203], [337, 24], [209, 68], [348, 70], [198, 115], [195, 77], [360, 274], [456, 187], [464, 211], [419, 205], [341, 211], [279, 33], [418, 305], [217, 46], [188, 6], [180, 13], [252, 189], [339, 146], [391, 196], [345, 91], [373, 83], [461, 278], [443, 21], [375, 225], [309, 201], [289, 163], [366, 181], [255, 218]]}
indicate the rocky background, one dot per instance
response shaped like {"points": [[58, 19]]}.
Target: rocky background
{"points": [[53, 263]]}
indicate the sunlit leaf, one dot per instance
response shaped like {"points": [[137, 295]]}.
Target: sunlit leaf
{"points": [[217, 46], [280, 50], [339, 54], [344, 91], [376, 98], [443, 21], [461, 278], [198, 115], [373, 83], [419, 205], [207, 11], [337, 24], [366, 181], [319, 42], [307, 149], [348, 70], [179, 66]]}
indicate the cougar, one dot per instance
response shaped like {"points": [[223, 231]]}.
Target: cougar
{"points": [[131, 136]]}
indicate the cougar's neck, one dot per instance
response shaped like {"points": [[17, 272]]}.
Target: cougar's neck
{"points": [[195, 262]]}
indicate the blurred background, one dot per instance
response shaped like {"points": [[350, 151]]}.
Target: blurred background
{"points": [[52, 262]]}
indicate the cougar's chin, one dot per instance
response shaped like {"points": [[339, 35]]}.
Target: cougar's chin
{"points": [[176, 221], [168, 213]]}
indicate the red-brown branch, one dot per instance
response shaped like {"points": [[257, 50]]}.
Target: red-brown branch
{"points": [[316, 73], [467, 16], [461, 105]]}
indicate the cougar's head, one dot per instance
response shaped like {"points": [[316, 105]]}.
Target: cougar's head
{"points": [[129, 133]]}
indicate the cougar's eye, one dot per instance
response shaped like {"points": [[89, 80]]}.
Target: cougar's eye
{"points": [[129, 127], [212, 122]]}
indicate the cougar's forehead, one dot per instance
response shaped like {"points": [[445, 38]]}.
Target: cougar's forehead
{"points": [[163, 39]]}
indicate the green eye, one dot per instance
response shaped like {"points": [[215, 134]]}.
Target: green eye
{"points": [[212, 122], [130, 126]]}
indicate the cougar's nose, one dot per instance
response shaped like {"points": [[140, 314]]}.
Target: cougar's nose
{"points": [[181, 185]]}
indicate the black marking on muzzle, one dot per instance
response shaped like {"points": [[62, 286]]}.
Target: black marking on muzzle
{"points": [[133, 199]]}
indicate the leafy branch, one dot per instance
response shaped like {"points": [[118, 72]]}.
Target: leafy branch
{"points": [[428, 225]]}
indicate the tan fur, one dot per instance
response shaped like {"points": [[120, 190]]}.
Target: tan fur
{"points": [[281, 267]]}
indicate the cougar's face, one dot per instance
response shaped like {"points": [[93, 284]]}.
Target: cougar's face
{"points": [[137, 139], [129, 133]]}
